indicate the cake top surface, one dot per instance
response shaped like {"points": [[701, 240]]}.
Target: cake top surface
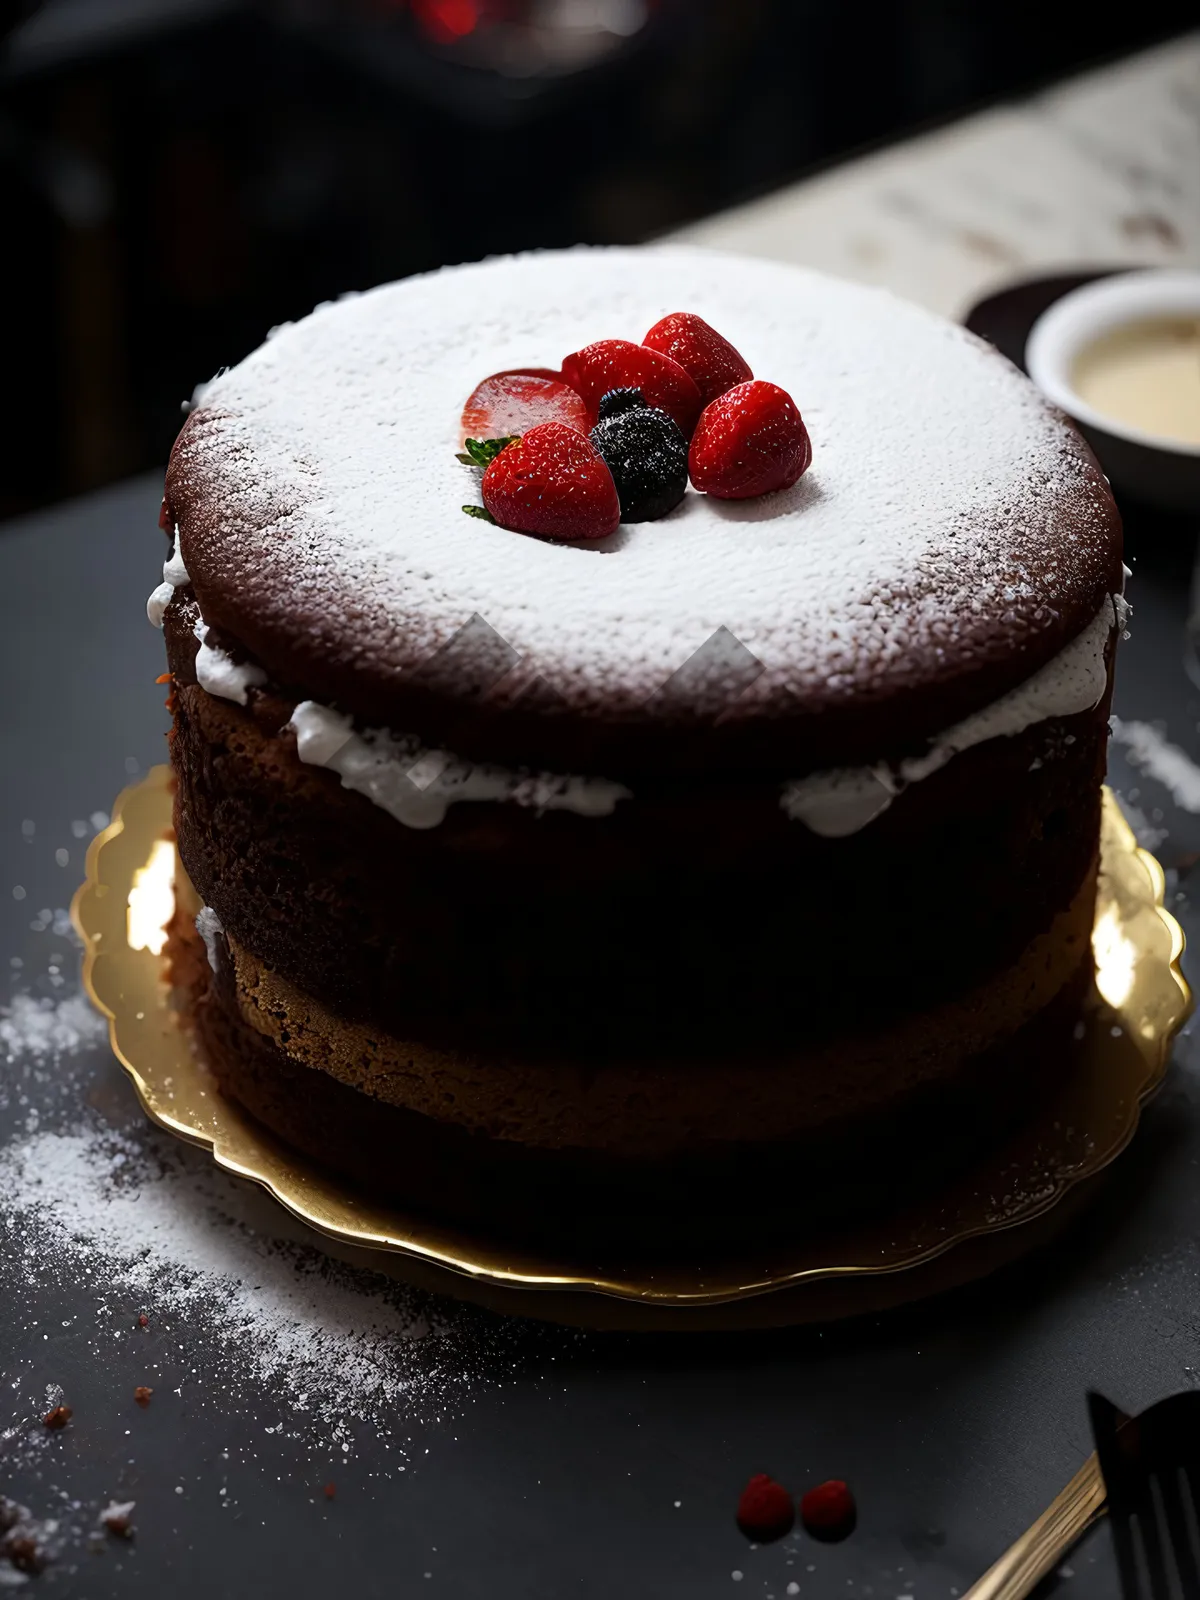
{"points": [[951, 535]]}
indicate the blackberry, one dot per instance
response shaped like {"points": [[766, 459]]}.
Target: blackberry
{"points": [[617, 401], [645, 451]]}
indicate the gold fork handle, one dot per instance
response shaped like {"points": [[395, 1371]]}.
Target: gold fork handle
{"points": [[1042, 1546]]}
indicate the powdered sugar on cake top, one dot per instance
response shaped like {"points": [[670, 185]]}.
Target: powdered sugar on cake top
{"points": [[945, 500]]}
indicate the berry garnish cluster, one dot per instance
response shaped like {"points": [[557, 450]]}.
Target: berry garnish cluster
{"points": [[615, 435]]}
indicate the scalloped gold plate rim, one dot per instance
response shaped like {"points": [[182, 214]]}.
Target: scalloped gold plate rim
{"points": [[1142, 1001]]}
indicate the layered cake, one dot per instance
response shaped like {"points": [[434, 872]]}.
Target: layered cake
{"points": [[681, 798]]}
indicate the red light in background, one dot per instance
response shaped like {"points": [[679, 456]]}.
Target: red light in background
{"points": [[447, 20]]}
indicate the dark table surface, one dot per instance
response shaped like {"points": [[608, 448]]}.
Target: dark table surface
{"points": [[577, 1464]]}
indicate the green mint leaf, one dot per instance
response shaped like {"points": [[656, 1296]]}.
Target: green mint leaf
{"points": [[481, 512], [483, 452]]}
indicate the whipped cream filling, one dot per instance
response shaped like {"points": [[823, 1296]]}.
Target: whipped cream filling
{"points": [[216, 670], [218, 673], [416, 784], [843, 800], [175, 575], [209, 927]]}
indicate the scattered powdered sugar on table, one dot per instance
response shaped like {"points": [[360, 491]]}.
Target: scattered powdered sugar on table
{"points": [[131, 1253], [135, 1220], [37, 1033], [109, 1214], [41, 1029], [1148, 830], [1148, 749]]}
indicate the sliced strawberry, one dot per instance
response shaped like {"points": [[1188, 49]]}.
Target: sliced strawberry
{"points": [[620, 364], [554, 373], [748, 442], [708, 359], [514, 402], [551, 481]]}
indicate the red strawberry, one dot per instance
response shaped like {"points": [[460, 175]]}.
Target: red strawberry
{"points": [[749, 441], [709, 360], [513, 402], [765, 1510], [828, 1512], [620, 364], [553, 482]]}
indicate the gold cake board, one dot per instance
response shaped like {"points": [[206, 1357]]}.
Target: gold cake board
{"points": [[1019, 1196]]}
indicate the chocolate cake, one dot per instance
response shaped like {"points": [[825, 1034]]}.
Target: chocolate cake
{"points": [[746, 855]]}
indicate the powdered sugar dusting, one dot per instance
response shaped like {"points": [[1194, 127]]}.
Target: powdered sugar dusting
{"points": [[39, 1030], [137, 1220], [1148, 749], [180, 1278], [244, 1308], [945, 499], [129, 1259], [154, 1224]]}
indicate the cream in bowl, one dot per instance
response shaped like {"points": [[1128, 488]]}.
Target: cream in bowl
{"points": [[1145, 375], [1122, 357]]}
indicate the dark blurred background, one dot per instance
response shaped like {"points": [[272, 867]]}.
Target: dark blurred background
{"points": [[176, 176]]}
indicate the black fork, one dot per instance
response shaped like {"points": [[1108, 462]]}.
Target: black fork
{"points": [[1151, 1468]]}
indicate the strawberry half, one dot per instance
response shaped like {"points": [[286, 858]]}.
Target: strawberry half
{"points": [[551, 481], [706, 356], [513, 402], [621, 364], [750, 441]]}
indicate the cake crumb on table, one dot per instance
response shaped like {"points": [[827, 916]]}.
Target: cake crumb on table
{"points": [[117, 1518]]}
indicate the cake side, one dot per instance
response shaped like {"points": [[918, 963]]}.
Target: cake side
{"points": [[658, 1109], [693, 916], [700, 1194]]}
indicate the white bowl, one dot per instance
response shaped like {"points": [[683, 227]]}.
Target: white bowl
{"points": [[1162, 471]]}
